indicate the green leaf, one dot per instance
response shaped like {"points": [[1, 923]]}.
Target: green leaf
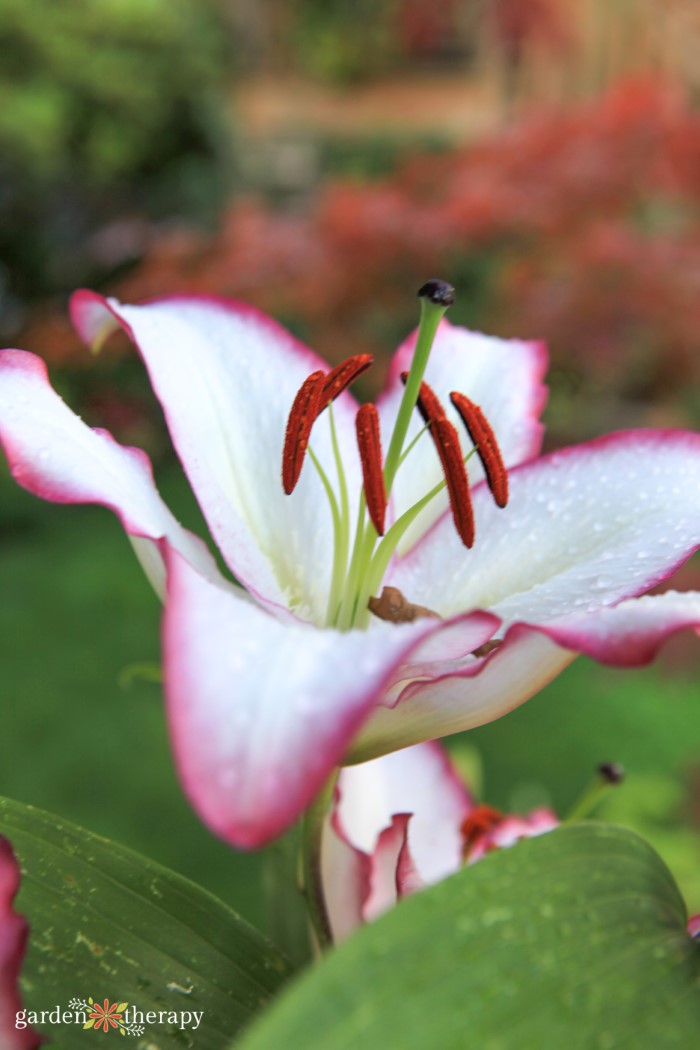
{"points": [[573, 940], [108, 923]]}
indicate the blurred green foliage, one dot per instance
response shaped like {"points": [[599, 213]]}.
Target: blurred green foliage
{"points": [[103, 106], [101, 89], [341, 41]]}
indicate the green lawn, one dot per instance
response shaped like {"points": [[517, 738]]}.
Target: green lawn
{"points": [[75, 610]]}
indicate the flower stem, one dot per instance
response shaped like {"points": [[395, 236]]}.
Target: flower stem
{"points": [[312, 840]]}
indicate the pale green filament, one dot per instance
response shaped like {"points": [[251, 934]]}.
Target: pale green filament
{"points": [[349, 603], [338, 543], [342, 543]]}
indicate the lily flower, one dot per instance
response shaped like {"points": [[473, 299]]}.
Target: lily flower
{"points": [[15, 1032], [403, 822], [381, 598]]}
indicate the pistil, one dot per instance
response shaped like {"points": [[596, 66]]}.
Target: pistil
{"points": [[353, 584]]}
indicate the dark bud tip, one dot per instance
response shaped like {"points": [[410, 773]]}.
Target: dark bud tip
{"points": [[439, 293], [612, 772]]}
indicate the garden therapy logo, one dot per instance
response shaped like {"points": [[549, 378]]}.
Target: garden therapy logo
{"points": [[107, 1016]]}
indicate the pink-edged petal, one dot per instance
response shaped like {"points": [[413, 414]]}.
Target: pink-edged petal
{"points": [[503, 376], [631, 633], [261, 711], [511, 830], [478, 691], [408, 878], [419, 781], [13, 942], [584, 528], [226, 376], [394, 828], [391, 846], [345, 876], [694, 926], [53, 454]]}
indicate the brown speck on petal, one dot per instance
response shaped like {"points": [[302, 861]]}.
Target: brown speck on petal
{"points": [[393, 607], [487, 647]]}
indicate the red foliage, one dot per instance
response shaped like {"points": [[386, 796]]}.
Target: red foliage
{"points": [[582, 228]]}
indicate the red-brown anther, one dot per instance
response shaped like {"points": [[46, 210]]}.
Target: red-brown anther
{"points": [[340, 377], [447, 444], [305, 409], [481, 820], [484, 439], [369, 444], [428, 403]]}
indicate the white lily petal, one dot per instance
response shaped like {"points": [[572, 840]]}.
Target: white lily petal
{"points": [[419, 781], [345, 877], [479, 691], [53, 454], [503, 376], [261, 711], [511, 830], [386, 857], [226, 376], [584, 528], [483, 691], [629, 634]]}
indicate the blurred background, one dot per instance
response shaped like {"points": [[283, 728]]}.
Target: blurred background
{"points": [[322, 158]]}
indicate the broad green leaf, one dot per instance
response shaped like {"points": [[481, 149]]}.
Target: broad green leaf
{"points": [[108, 923], [573, 940]]}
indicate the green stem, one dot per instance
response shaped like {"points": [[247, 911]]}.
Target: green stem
{"points": [[312, 840], [589, 801], [430, 317]]}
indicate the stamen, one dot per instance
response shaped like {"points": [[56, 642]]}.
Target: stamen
{"points": [[302, 416], [447, 443], [340, 377], [449, 450], [481, 433], [369, 444], [481, 820], [428, 403]]}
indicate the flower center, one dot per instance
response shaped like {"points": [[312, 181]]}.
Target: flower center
{"points": [[358, 571]]}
